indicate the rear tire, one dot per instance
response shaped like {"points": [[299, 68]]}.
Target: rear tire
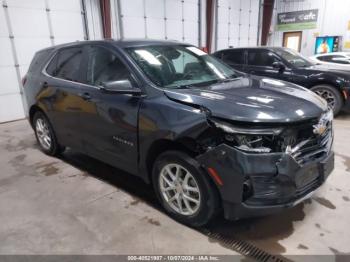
{"points": [[331, 95], [45, 135], [192, 190]]}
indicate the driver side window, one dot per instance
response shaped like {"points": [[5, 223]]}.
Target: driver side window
{"points": [[104, 66], [261, 58]]}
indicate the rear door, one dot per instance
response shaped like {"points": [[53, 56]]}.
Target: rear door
{"points": [[61, 94], [260, 62], [109, 120]]}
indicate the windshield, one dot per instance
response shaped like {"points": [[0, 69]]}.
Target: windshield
{"points": [[294, 58], [176, 66]]}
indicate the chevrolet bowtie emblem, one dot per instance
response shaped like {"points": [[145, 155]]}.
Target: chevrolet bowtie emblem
{"points": [[319, 129]]}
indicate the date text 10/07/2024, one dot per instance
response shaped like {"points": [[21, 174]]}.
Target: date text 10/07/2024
{"points": [[173, 258]]}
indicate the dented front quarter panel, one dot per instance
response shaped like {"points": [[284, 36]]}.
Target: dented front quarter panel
{"points": [[161, 119]]}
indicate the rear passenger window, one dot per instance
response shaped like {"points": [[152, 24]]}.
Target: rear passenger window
{"points": [[234, 57], [343, 61], [261, 58], [37, 62], [66, 64], [105, 67], [338, 59], [328, 58], [51, 68]]}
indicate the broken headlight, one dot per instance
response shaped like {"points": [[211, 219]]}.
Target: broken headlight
{"points": [[252, 143], [254, 140]]}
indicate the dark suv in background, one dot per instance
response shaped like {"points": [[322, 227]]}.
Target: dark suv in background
{"points": [[207, 138], [288, 65]]}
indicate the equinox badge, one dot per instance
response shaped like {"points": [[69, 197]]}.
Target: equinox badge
{"points": [[123, 141]]}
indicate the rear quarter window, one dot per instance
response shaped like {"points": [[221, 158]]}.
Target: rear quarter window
{"points": [[38, 61], [66, 64]]}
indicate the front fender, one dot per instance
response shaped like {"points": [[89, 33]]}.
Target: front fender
{"points": [[164, 119]]}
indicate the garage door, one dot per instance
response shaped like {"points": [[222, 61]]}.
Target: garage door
{"points": [[237, 23], [10, 97], [25, 27], [157, 19]]}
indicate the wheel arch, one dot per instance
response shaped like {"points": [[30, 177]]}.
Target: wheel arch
{"points": [[331, 84], [339, 97], [33, 109], [325, 82], [186, 144]]}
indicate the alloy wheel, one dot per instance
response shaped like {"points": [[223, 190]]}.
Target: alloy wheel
{"points": [[327, 95], [179, 189], [43, 133]]}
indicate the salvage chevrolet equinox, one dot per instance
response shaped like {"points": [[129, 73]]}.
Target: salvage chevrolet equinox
{"points": [[208, 138]]}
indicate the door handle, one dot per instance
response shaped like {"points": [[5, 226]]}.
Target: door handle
{"points": [[85, 96]]}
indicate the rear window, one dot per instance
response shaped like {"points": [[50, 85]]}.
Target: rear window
{"points": [[66, 64]]}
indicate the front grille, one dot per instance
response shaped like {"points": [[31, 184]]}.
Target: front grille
{"points": [[315, 146]]}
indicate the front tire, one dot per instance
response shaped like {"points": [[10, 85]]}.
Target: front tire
{"points": [[45, 135], [331, 95], [185, 192]]}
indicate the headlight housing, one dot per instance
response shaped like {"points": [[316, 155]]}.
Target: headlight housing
{"points": [[253, 140]]}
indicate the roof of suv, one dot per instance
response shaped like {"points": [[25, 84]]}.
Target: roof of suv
{"points": [[124, 43]]}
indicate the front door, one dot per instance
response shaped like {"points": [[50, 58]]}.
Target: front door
{"points": [[234, 58], [292, 40], [260, 62], [109, 120]]}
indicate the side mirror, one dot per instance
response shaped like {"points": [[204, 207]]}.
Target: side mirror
{"points": [[279, 65], [120, 86]]}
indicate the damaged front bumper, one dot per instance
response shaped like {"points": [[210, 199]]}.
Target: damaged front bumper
{"points": [[264, 183]]}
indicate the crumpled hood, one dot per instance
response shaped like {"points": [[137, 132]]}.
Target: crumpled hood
{"points": [[254, 99]]}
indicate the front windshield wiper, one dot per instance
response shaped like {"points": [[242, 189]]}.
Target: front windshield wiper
{"points": [[206, 83], [225, 80], [188, 86]]}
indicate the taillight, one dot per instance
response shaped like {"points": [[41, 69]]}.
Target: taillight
{"points": [[24, 80]]}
